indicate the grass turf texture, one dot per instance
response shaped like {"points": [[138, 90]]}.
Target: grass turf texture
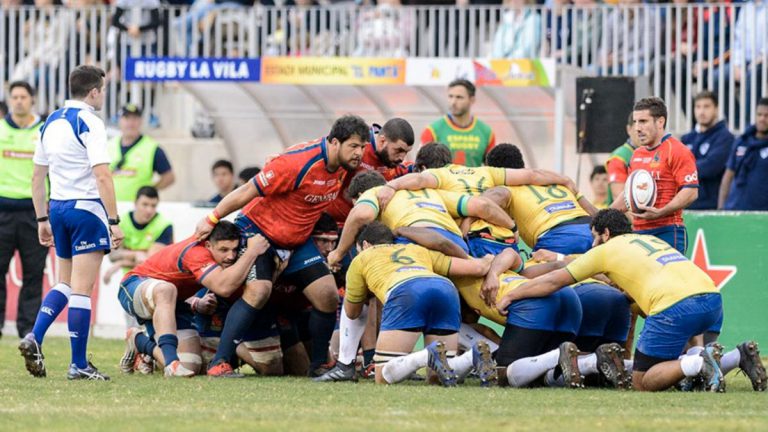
{"points": [[153, 403]]}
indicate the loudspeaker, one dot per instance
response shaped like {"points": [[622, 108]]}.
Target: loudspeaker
{"points": [[603, 106]]}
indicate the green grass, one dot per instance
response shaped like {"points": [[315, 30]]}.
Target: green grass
{"points": [[291, 404]]}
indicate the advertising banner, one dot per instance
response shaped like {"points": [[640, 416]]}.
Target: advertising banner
{"points": [[192, 69], [437, 71], [332, 71], [515, 72]]}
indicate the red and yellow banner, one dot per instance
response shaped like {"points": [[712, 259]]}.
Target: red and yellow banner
{"points": [[330, 70]]}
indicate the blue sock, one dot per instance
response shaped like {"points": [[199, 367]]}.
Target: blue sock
{"points": [[53, 303], [145, 344], [79, 321], [320, 329], [169, 343], [239, 319]]}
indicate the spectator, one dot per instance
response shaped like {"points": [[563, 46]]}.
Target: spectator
{"points": [[385, 31], [247, 173], [18, 225], [43, 58], [598, 180], [743, 186], [710, 141], [136, 157], [617, 165], [223, 176], [519, 33], [307, 31], [626, 37], [468, 138], [750, 47]]}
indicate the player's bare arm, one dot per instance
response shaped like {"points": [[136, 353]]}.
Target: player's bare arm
{"points": [[359, 216], [107, 194], [682, 200], [225, 282], [427, 238], [538, 177], [234, 201], [40, 202], [488, 210], [541, 286], [725, 188], [470, 267], [506, 260], [499, 195]]}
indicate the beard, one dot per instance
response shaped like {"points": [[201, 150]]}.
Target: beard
{"points": [[384, 158], [351, 165]]}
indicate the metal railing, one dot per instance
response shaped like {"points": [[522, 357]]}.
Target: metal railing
{"points": [[682, 48]]}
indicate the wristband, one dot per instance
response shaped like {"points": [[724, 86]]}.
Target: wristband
{"points": [[212, 219], [42, 219], [579, 196], [115, 221]]}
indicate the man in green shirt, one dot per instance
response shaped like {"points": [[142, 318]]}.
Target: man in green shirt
{"points": [[136, 157], [19, 131], [468, 138]]}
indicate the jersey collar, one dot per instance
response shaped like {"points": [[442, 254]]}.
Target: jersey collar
{"points": [[11, 123], [71, 103], [324, 150], [664, 138]]}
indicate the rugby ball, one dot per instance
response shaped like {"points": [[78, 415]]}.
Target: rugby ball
{"points": [[639, 190]]}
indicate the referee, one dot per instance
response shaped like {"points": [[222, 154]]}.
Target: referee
{"points": [[18, 230]]}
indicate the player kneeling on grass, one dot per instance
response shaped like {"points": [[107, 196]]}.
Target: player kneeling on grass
{"points": [[679, 300], [154, 293], [417, 300]]}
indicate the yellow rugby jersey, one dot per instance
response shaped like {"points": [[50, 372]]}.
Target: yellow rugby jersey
{"points": [[466, 180], [426, 206], [651, 271], [537, 209], [381, 268], [469, 288]]}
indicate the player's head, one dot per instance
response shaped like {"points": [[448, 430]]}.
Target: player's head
{"points": [[347, 140], [364, 181], [394, 141], [607, 224], [145, 206], [223, 243], [705, 108], [505, 156], [246, 174], [21, 96], [375, 233], [432, 155], [325, 234], [461, 96], [761, 116], [223, 175], [599, 181], [86, 83], [649, 117], [130, 121]]}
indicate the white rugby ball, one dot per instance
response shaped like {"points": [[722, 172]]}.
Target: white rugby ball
{"points": [[639, 190]]}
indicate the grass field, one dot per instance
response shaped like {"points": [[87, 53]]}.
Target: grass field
{"points": [[290, 404]]}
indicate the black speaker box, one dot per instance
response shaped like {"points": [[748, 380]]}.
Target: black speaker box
{"points": [[603, 106]]}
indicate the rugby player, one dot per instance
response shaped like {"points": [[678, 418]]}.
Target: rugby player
{"points": [[72, 154], [283, 202], [677, 297], [155, 292], [417, 300]]}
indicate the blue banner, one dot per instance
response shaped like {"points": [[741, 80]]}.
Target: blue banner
{"points": [[192, 69]]}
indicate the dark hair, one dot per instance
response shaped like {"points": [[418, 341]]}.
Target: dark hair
{"points": [[397, 129], [147, 191], [599, 169], [84, 79], [763, 102], [375, 233], [247, 173], [505, 155], [655, 105], [221, 163], [613, 220], [224, 230], [364, 181], [706, 94], [3, 108], [631, 119], [325, 224], [467, 84], [433, 155], [23, 84], [347, 126]]}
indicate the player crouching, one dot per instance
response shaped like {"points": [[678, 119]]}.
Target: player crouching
{"points": [[154, 293]]}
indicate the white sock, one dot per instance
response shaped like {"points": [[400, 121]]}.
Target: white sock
{"points": [[691, 365], [350, 333], [629, 365], [462, 364], [400, 368], [730, 360], [522, 372], [551, 381], [468, 336], [63, 288], [588, 364], [696, 350]]}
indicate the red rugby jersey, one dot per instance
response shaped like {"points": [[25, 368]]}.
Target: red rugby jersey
{"points": [[296, 188], [341, 206], [673, 166], [184, 264]]}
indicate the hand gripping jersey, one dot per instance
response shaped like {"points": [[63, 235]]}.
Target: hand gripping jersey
{"points": [[469, 288]]}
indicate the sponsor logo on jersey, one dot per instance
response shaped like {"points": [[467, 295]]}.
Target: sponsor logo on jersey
{"points": [[690, 178], [704, 148], [741, 151], [670, 258], [410, 268], [314, 199], [432, 206], [563, 206], [17, 154], [313, 259]]}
